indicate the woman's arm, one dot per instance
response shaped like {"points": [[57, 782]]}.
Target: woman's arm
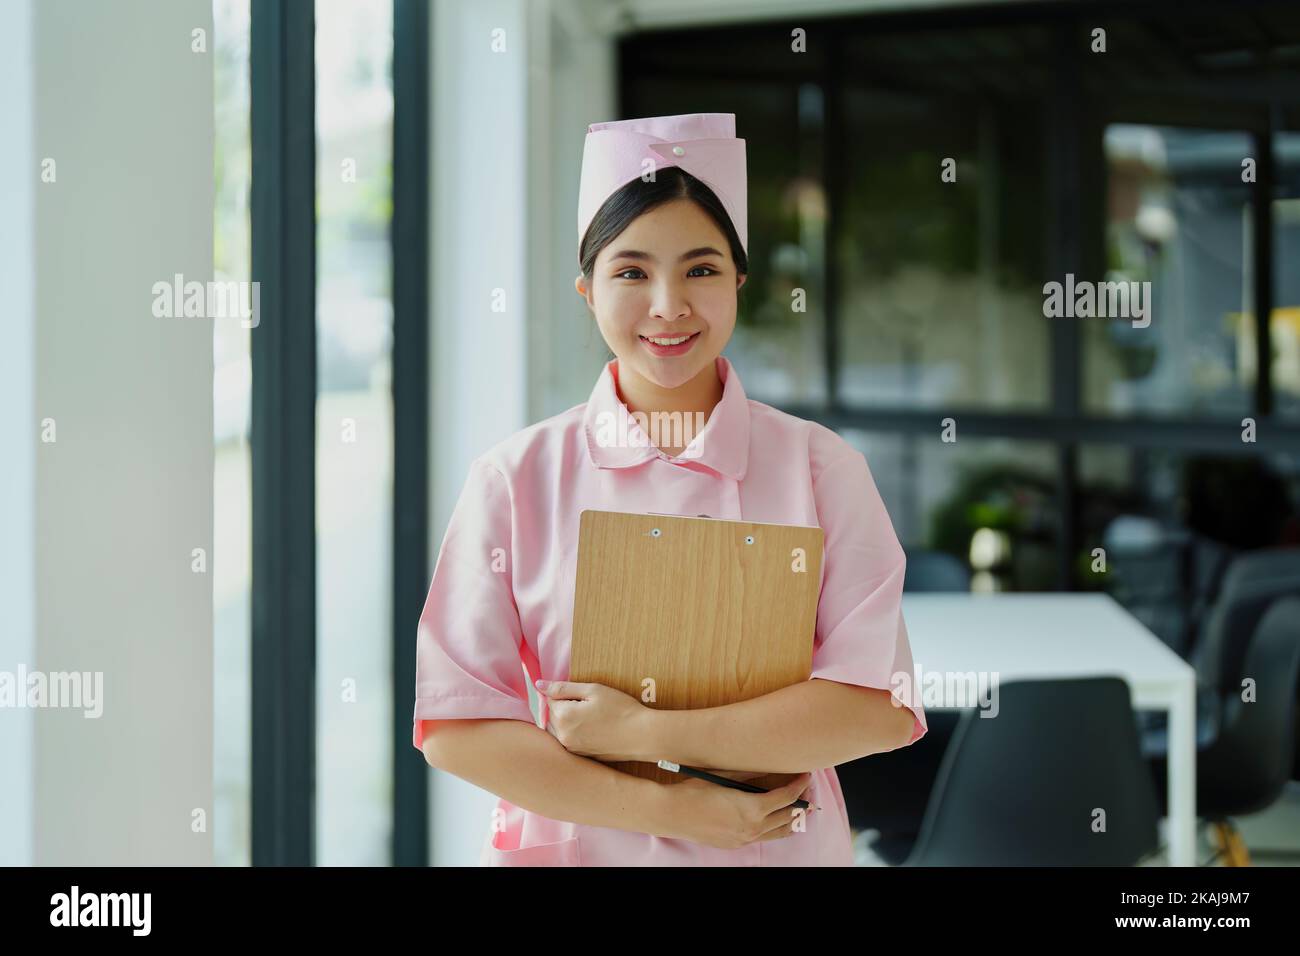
{"points": [[527, 766], [805, 726]]}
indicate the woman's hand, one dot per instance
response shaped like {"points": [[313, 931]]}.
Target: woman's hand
{"points": [[728, 819], [593, 720]]}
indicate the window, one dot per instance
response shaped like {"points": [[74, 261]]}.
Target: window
{"points": [[232, 492], [1284, 325], [991, 503], [941, 260], [1178, 222], [354, 417]]}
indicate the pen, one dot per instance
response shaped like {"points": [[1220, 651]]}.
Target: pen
{"points": [[721, 781]]}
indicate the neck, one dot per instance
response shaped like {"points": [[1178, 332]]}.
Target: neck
{"points": [[700, 394]]}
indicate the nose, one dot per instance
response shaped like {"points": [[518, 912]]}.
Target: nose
{"points": [[670, 302]]}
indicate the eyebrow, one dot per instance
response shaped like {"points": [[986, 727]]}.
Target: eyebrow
{"points": [[692, 254]]}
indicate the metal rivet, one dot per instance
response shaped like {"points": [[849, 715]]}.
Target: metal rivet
{"points": [[678, 151], [655, 532], [749, 539]]}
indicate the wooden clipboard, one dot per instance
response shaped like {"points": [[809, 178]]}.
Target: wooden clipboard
{"points": [[691, 612]]}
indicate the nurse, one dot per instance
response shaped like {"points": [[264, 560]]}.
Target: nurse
{"points": [[663, 252]]}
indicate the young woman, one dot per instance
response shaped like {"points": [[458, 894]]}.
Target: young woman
{"points": [[662, 233]]}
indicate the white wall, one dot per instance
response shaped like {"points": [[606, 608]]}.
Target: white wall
{"points": [[478, 357], [125, 492], [478, 156], [17, 423], [573, 86]]}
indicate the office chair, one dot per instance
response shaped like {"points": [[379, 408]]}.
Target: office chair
{"points": [[887, 792], [1030, 786], [1244, 768], [1252, 582]]}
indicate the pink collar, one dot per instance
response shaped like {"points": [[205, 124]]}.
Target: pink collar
{"points": [[723, 445]]}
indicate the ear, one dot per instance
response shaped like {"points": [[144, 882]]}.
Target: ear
{"points": [[580, 284], [741, 279]]}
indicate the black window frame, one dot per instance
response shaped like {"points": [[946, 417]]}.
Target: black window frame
{"points": [[283, 426]]}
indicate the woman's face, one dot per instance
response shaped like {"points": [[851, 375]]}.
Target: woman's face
{"points": [[669, 274]]}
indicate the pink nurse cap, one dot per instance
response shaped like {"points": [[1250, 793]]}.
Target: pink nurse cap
{"points": [[703, 144]]}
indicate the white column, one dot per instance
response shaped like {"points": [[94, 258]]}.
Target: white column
{"points": [[574, 84], [479, 363], [123, 106], [18, 424]]}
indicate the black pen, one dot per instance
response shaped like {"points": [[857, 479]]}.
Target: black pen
{"points": [[721, 781]]}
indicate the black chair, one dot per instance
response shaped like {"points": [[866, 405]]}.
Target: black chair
{"points": [[935, 571], [1252, 582], [887, 792], [1023, 788], [1206, 563], [1244, 768]]}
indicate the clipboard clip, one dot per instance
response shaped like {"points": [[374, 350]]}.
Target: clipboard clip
{"points": [[655, 532]]}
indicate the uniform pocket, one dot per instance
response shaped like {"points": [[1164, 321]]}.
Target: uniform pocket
{"points": [[563, 853]]}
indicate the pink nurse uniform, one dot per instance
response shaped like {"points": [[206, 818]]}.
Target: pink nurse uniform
{"points": [[501, 599]]}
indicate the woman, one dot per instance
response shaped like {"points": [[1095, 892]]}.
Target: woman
{"points": [[662, 234]]}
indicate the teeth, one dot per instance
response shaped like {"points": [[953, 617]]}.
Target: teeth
{"points": [[661, 341]]}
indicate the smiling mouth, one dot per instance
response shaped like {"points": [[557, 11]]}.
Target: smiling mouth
{"points": [[669, 340]]}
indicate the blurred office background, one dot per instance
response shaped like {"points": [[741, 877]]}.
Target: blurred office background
{"points": [[416, 157]]}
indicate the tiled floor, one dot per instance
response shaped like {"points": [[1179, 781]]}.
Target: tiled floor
{"points": [[1272, 837]]}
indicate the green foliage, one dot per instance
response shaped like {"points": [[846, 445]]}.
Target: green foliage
{"points": [[1005, 497]]}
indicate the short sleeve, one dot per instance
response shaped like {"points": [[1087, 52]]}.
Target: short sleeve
{"points": [[861, 637], [468, 662]]}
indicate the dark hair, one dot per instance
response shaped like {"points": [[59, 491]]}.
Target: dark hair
{"points": [[640, 196]]}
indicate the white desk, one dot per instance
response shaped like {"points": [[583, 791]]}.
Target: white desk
{"points": [[1049, 635]]}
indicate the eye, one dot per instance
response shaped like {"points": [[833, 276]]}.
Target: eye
{"points": [[708, 269], [630, 273]]}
